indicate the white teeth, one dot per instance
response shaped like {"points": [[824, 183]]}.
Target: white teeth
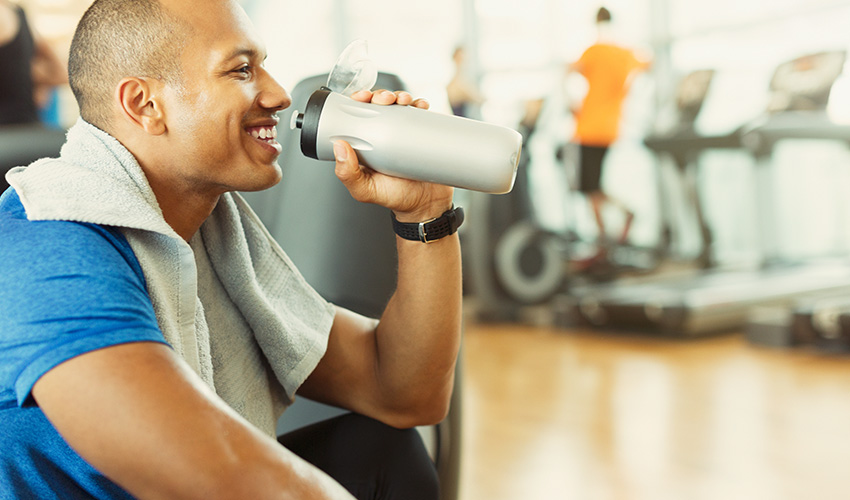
{"points": [[264, 133]]}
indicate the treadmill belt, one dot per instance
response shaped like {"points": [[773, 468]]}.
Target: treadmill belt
{"points": [[820, 321], [701, 303]]}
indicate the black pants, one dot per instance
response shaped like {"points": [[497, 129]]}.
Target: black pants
{"points": [[370, 459], [590, 168]]}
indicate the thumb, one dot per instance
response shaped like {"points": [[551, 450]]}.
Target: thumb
{"points": [[349, 172], [346, 169]]}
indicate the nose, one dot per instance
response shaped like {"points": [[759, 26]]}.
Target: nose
{"points": [[272, 95]]}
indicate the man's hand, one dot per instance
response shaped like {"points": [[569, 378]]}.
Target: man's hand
{"points": [[399, 370], [412, 201]]}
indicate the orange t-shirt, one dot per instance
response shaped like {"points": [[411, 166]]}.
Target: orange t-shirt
{"points": [[607, 69]]}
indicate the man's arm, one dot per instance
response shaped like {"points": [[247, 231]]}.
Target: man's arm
{"points": [[138, 414], [399, 370]]}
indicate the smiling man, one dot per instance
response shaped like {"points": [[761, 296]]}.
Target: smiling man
{"points": [[151, 332]]}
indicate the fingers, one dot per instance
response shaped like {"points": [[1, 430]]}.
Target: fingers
{"points": [[376, 97], [368, 186], [421, 103], [385, 97], [362, 96], [403, 98]]}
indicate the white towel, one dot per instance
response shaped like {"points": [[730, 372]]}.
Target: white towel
{"points": [[97, 180]]}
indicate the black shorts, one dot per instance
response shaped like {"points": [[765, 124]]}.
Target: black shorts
{"points": [[590, 167], [370, 459]]}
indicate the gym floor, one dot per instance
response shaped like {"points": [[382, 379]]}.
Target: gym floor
{"points": [[552, 413]]}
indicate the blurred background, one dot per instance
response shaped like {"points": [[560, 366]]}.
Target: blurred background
{"points": [[705, 356], [516, 55]]}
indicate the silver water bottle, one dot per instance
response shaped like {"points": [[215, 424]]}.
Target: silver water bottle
{"points": [[408, 142]]}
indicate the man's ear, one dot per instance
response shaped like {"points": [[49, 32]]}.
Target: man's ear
{"points": [[140, 102]]}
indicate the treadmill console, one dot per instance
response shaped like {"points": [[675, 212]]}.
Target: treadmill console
{"points": [[804, 83]]}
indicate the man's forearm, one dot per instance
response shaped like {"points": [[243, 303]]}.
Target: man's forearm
{"points": [[145, 420], [418, 337]]}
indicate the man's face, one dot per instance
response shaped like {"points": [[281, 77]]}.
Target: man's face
{"points": [[221, 120]]}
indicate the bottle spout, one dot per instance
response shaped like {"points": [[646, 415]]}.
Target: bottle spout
{"points": [[297, 120]]}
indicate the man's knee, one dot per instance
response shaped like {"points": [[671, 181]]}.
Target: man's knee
{"points": [[399, 455], [370, 459]]}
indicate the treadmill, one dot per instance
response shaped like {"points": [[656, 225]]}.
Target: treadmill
{"points": [[684, 145], [820, 322], [799, 93], [705, 302]]}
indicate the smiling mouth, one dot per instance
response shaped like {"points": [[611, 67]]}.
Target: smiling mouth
{"points": [[266, 133]]}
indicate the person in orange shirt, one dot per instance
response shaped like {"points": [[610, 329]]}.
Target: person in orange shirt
{"points": [[609, 70]]}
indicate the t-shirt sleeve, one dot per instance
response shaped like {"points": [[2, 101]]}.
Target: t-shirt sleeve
{"points": [[66, 289], [580, 65], [635, 63]]}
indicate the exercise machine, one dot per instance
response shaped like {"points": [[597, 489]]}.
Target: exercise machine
{"points": [[532, 263], [818, 321], [683, 145], [21, 145], [701, 303], [711, 301]]}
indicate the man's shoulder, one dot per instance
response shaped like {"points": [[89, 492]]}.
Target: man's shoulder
{"points": [[31, 244], [607, 48], [610, 55], [13, 220]]}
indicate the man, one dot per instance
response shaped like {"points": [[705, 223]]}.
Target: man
{"points": [[151, 331], [608, 69]]}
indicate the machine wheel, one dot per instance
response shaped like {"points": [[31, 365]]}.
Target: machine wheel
{"points": [[529, 263]]}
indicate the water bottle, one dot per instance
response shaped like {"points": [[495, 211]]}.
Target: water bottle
{"points": [[405, 141]]}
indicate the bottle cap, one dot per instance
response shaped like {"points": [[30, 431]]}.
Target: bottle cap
{"points": [[353, 71]]}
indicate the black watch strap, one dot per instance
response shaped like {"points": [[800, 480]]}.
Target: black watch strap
{"points": [[430, 230]]}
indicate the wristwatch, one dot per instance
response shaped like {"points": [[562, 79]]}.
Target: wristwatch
{"points": [[430, 230]]}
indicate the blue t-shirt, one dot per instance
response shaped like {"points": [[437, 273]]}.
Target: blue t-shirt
{"points": [[66, 288]]}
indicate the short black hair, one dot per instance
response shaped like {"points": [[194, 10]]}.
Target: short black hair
{"points": [[120, 38]]}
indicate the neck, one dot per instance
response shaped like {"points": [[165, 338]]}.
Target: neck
{"points": [[183, 208], [604, 33], [186, 217]]}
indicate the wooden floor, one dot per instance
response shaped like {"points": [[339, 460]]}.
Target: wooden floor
{"points": [[570, 414]]}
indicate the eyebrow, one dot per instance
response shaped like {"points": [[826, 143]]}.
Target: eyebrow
{"points": [[246, 51]]}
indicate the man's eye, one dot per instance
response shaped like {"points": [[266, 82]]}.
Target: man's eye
{"points": [[243, 70]]}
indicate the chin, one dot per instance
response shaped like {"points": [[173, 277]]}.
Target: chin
{"points": [[269, 178]]}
